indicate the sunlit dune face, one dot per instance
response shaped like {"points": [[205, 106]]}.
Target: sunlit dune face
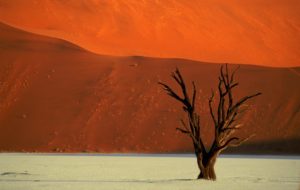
{"points": [[55, 96], [263, 32]]}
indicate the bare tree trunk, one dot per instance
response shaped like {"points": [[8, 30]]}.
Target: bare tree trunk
{"points": [[207, 167], [208, 173], [224, 120]]}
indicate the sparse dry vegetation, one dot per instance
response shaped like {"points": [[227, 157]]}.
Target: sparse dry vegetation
{"points": [[224, 119]]}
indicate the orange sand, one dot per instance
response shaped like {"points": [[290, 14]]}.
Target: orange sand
{"points": [[56, 96], [260, 32]]}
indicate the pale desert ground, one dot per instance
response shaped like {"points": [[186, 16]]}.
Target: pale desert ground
{"points": [[100, 171]]}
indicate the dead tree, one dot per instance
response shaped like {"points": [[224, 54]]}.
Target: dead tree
{"points": [[224, 119]]}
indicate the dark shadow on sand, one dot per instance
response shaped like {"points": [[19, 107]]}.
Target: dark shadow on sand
{"points": [[275, 147], [99, 181]]}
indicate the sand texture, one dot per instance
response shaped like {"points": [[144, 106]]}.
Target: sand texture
{"points": [[35, 172], [56, 96], [261, 32]]}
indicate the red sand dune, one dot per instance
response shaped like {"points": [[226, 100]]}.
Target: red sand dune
{"points": [[56, 96], [260, 32]]}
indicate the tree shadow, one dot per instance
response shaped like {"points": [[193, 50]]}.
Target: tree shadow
{"points": [[100, 181], [14, 173]]}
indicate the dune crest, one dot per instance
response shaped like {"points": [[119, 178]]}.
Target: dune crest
{"points": [[260, 32]]}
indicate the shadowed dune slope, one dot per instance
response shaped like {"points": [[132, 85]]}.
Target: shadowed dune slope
{"points": [[261, 32], [56, 96]]}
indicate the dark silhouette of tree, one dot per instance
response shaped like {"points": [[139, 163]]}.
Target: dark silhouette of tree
{"points": [[224, 119]]}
